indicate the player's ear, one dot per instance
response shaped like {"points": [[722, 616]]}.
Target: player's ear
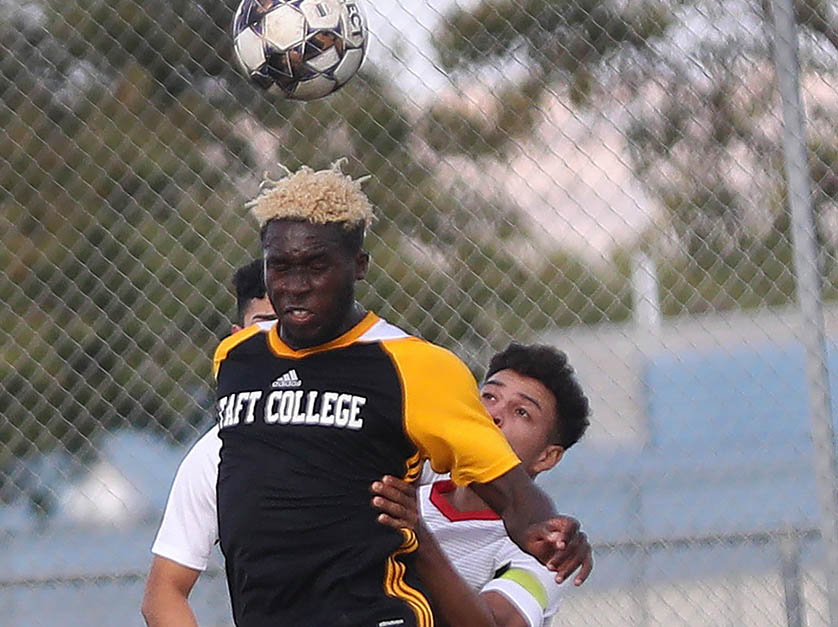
{"points": [[362, 264], [549, 457]]}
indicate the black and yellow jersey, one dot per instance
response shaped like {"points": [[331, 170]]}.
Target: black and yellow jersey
{"points": [[303, 435]]}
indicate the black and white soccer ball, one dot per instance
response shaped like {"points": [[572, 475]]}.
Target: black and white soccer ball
{"points": [[306, 48]]}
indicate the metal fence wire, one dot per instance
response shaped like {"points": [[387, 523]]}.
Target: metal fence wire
{"points": [[608, 176]]}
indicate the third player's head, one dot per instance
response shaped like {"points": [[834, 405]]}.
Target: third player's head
{"points": [[532, 393], [252, 304], [312, 231]]}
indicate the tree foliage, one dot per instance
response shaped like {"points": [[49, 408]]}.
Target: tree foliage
{"points": [[130, 144], [574, 44], [702, 130]]}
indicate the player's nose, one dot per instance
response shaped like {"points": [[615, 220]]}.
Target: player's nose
{"points": [[296, 283]]}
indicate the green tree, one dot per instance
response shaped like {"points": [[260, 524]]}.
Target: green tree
{"points": [[120, 217], [696, 80], [130, 144], [576, 45]]}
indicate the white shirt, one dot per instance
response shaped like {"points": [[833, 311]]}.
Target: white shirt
{"points": [[189, 528], [483, 555]]}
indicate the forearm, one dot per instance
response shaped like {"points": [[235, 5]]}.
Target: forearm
{"points": [[529, 507], [454, 602], [167, 609], [518, 501], [166, 599]]}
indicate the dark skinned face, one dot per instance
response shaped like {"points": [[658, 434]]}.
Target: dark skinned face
{"points": [[310, 278]]}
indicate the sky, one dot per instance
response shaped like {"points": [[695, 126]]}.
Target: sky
{"points": [[400, 40], [573, 181]]}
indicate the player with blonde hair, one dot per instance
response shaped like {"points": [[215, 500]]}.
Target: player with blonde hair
{"points": [[320, 197], [315, 407]]}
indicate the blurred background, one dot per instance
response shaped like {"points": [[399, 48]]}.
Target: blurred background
{"points": [[608, 176]]}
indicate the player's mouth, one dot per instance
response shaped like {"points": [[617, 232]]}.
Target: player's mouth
{"points": [[297, 315]]}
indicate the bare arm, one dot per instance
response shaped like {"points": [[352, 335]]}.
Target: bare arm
{"points": [[166, 598], [518, 501], [454, 601], [532, 523]]}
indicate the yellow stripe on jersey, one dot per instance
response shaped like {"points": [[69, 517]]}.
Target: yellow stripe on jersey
{"points": [[529, 582], [229, 343], [443, 414], [395, 586], [413, 468]]}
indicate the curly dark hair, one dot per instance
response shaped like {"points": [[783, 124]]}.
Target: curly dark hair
{"points": [[249, 283], [550, 367]]}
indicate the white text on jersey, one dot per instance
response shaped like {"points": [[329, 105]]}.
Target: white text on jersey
{"points": [[293, 407]]}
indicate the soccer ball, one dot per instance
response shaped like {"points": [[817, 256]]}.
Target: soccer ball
{"points": [[306, 48]]}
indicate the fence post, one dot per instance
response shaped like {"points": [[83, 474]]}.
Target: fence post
{"points": [[809, 296], [639, 555], [789, 546], [645, 293]]}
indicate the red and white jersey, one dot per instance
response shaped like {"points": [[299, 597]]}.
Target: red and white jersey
{"points": [[483, 555]]}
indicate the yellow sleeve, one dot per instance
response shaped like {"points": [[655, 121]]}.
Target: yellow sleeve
{"points": [[443, 414], [228, 344]]}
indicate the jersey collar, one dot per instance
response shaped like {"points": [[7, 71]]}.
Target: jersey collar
{"points": [[438, 497], [281, 349]]}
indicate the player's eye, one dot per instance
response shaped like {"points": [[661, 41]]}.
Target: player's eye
{"points": [[522, 412], [488, 396]]}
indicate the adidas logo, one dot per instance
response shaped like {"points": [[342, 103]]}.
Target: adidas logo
{"points": [[288, 380]]}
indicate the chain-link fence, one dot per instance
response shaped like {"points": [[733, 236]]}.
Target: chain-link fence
{"points": [[604, 175]]}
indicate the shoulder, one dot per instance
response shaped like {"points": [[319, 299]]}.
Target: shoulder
{"points": [[382, 331], [251, 336], [201, 462], [401, 342], [207, 447], [411, 353]]}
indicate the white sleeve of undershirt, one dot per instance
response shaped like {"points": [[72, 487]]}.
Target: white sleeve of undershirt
{"points": [[527, 584], [190, 524]]}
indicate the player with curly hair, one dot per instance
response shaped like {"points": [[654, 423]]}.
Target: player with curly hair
{"points": [[475, 574]]}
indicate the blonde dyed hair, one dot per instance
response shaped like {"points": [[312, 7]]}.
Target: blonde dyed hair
{"points": [[320, 197]]}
